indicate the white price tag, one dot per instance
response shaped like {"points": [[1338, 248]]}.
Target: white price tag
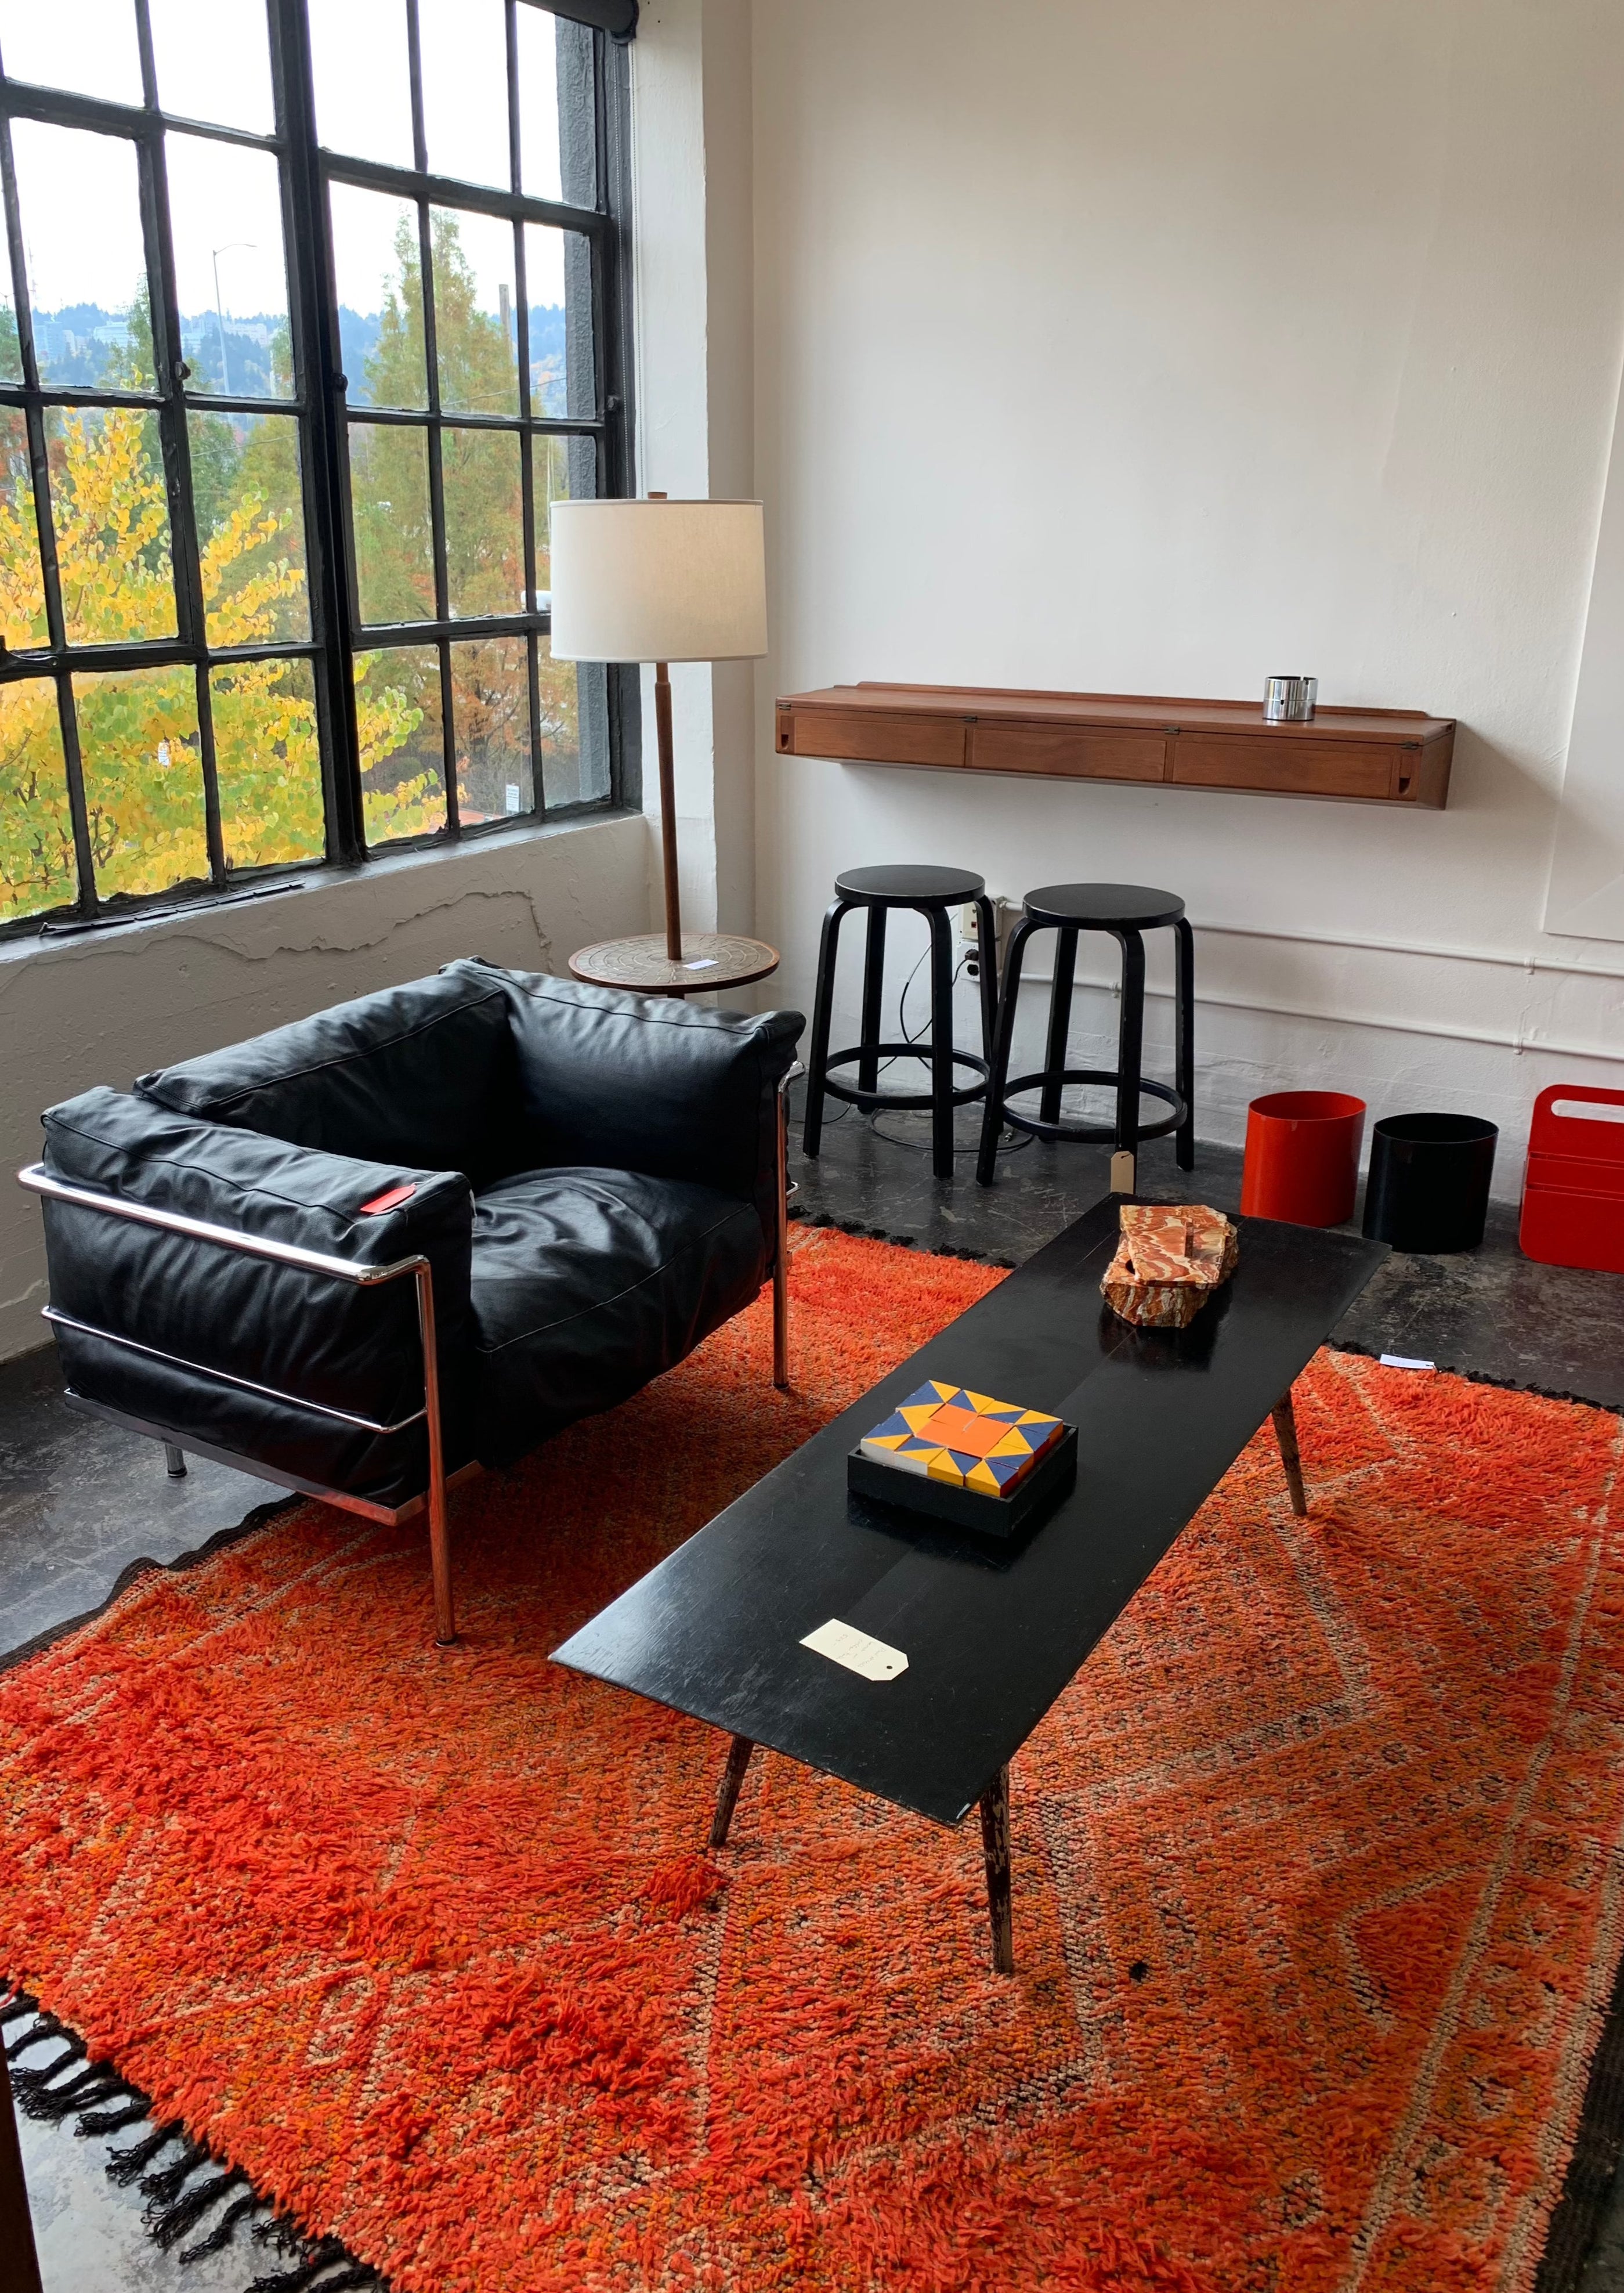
{"points": [[870, 1659]]}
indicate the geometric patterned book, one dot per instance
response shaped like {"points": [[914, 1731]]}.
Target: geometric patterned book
{"points": [[947, 1433]]}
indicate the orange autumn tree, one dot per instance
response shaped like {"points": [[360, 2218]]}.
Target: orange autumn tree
{"points": [[138, 729]]}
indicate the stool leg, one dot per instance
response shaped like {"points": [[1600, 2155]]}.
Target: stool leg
{"points": [[1130, 1043], [817, 1057], [1184, 1080], [987, 964], [874, 981], [941, 1042], [1060, 1024], [1009, 990]]}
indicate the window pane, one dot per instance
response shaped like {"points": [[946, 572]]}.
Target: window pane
{"points": [[397, 720], [87, 268], [213, 62], [379, 276], [542, 178], [563, 469], [36, 863], [490, 703], [363, 81], [558, 281], [226, 213], [394, 549], [143, 782], [22, 593], [574, 729], [11, 349], [111, 513], [250, 509], [484, 523], [269, 762], [475, 325], [89, 47], [464, 47]]}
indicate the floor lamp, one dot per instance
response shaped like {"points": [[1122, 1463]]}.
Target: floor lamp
{"points": [[660, 580]]}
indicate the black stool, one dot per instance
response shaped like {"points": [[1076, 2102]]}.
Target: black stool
{"points": [[1124, 910], [931, 892]]}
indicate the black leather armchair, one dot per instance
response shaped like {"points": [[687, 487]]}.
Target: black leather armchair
{"points": [[416, 1233]]}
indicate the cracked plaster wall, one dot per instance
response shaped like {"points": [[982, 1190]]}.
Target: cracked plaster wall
{"points": [[103, 1008]]}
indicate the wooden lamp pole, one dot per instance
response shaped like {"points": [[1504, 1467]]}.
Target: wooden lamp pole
{"points": [[667, 801]]}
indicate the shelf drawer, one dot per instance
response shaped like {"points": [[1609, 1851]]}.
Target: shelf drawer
{"points": [[869, 736], [1065, 753], [1287, 766]]}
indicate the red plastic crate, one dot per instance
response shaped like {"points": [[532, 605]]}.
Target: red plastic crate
{"points": [[1573, 1189]]}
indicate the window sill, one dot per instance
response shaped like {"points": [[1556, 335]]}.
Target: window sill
{"points": [[317, 882]]}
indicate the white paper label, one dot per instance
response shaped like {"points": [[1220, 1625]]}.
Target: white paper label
{"points": [[1402, 1361], [845, 1644], [702, 963]]}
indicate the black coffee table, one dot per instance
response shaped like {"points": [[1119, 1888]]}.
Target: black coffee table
{"points": [[992, 1632]]}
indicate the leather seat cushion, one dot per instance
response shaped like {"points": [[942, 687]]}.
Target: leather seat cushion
{"points": [[587, 1283]]}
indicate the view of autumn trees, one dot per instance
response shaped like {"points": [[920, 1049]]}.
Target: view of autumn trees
{"points": [[138, 729]]}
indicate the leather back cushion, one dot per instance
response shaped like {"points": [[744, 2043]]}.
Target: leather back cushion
{"points": [[635, 1082], [423, 1076]]}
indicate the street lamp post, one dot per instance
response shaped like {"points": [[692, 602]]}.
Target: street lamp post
{"points": [[215, 255]]}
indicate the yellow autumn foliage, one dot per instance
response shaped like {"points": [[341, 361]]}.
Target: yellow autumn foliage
{"points": [[138, 728]]}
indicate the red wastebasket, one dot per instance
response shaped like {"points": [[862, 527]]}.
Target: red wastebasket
{"points": [[1301, 1157]]}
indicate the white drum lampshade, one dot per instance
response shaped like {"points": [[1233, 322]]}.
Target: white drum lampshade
{"points": [[658, 580]]}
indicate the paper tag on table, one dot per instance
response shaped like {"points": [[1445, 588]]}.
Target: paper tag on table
{"points": [[872, 1659]]}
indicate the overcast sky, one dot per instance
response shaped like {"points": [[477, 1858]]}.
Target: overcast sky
{"points": [[81, 221]]}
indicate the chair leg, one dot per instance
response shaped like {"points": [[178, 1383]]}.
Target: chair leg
{"points": [[780, 1256], [995, 1849], [439, 1535], [1060, 1024], [818, 1055], [987, 965], [874, 984], [1009, 992], [1130, 1043], [1183, 1080], [1290, 1455], [727, 1797], [174, 1463], [941, 1042]]}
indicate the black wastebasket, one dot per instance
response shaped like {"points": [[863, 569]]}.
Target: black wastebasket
{"points": [[1428, 1187]]}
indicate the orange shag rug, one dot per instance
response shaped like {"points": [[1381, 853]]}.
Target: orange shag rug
{"points": [[1318, 1876]]}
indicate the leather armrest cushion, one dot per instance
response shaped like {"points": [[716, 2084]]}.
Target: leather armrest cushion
{"points": [[326, 1341]]}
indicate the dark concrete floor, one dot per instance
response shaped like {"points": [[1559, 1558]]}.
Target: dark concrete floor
{"points": [[80, 1502]]}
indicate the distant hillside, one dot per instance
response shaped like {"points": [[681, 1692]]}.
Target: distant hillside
{"points": [[76, 344]]}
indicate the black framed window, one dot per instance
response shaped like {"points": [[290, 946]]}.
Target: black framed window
{"points": [[312, 309]]}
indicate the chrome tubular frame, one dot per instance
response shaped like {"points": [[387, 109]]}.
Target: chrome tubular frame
{"points": [[786, 1188], [38, 1181]]}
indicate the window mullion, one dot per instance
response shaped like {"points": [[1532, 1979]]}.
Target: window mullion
{"points": [[318, 377]]}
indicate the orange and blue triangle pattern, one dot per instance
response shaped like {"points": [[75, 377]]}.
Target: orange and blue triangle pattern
{"points": [[949, 1433]]}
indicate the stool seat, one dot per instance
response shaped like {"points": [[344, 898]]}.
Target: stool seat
{"points": [[909, 887], [1105, 907]]}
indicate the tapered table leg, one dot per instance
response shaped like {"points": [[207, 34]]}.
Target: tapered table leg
{"points": [[1290, 1455], [727, 1798], [994, 1843]]}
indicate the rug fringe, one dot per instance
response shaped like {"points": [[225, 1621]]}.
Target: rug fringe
{"points": [[104, 2104], [860, 1233]]}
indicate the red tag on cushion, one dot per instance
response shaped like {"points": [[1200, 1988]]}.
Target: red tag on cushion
{"points": [[386, 1201]]}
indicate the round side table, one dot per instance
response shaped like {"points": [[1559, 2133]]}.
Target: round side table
{"points": [[710, 959]]}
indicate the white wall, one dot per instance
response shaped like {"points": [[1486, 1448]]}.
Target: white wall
{"points": [[1158, 348], [104, 1008], [692, 282]]}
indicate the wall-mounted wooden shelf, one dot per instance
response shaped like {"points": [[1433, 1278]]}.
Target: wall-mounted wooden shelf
{"points": [[1355, 756]]}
